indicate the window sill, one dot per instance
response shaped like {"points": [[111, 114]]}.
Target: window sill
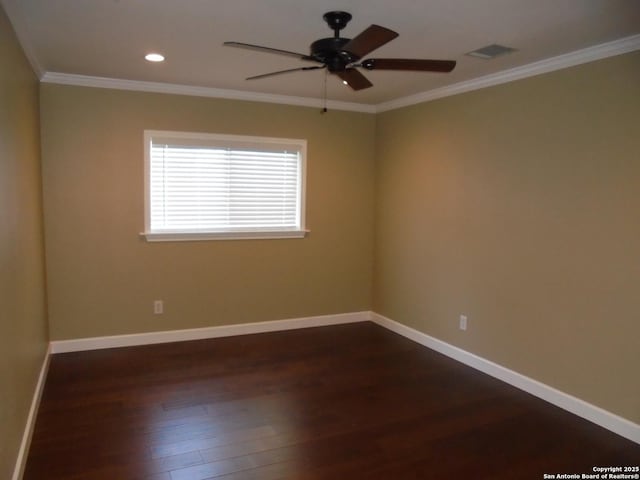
{"points": [[204, 236]]}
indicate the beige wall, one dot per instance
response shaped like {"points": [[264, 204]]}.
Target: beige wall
{"points": [[519, 205], [103, 278], [23, 334]]}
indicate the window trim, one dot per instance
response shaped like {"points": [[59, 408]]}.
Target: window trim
{"points": [[241, 234]]}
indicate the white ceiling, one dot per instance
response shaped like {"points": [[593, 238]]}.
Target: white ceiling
{"points": [[109, 38]]}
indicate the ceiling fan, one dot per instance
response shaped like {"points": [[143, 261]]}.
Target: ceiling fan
{"points": [[342, 56]]}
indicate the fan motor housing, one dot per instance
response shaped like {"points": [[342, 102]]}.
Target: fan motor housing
{"points": [[329, 51]]}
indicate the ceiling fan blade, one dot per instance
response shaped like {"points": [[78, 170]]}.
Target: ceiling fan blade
{"points": [[409, 64], [354, 79], [260, 48], [264, 75], [373, 37]]}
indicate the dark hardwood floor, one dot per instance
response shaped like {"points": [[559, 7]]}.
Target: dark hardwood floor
{"points": [[343, 402]]}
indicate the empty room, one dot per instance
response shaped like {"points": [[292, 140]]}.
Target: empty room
{"points": [[260, 240]]}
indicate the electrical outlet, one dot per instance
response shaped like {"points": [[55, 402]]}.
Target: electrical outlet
{"points": [[463, 322], [158, 307]]}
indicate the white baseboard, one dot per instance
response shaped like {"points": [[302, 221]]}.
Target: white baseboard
{"points": [[96, 343], [597, 415], [21, 460]]}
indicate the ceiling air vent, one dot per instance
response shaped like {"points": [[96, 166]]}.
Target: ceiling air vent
{"points": [[491, 51]]}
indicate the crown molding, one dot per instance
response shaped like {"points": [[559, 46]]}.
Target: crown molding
{"points": [[156, 87], [598, 52], [578, 57]]}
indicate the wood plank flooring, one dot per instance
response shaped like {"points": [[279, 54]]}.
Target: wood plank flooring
{"points": [[342, 402]]}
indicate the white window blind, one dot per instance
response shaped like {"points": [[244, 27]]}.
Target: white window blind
{"points": [[211, 186]]}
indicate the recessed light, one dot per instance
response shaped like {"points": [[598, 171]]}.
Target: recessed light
{"points": [[345, 82], [154, 57]]}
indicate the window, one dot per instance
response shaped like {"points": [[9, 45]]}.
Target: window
{"points": [[206, 186]]}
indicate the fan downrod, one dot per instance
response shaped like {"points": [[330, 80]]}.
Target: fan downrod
{"points": [[337, 21]]}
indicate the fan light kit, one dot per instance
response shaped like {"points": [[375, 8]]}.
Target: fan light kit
{"points": [[343, 56]]}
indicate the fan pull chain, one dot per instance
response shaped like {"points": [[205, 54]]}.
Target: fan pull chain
{"points": [[324, 93]]}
